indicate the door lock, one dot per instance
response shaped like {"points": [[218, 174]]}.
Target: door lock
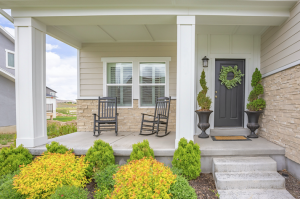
{"points": [[216, 91], [216, 96]]}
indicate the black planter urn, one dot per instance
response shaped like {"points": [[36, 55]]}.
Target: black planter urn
{"points": [[203, 122], [253, 122]]}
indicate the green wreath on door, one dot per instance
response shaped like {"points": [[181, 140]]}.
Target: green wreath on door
{"points": [[236, 79]]}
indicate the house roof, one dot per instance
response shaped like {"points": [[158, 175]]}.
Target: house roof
{"points": [[7, 34], [51, 89]]}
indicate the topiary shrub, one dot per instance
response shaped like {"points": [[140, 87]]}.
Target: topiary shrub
{"points": [[141, 150], [182, 190], [204, 101], [11, 158], [70, 192], [99, 156], [105, 181], [145, 178], [7, 190], [187, 157], [46, 173], [55, 147], [256, 103]]}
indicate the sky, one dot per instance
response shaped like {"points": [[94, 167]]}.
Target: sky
{"points": [[61, 64]]}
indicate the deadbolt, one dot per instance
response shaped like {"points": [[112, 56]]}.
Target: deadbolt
{"points": [[216, 96], [216, 91]]}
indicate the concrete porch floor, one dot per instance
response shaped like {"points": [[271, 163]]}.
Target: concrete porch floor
{"points": [[164, 147]]}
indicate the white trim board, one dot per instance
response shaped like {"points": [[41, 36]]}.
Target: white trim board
{"points": [[7, 75], [281, 69]]}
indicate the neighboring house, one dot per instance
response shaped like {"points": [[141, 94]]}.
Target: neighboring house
{"points": [[144, 49], [7, 82], [51, 102]]}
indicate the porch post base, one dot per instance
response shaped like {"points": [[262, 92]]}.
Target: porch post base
{"points": [[32, 142]]}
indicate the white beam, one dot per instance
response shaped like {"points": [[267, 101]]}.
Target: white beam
{"points": [[186, 85], [66, 38], [30, 47], [7, 16]]}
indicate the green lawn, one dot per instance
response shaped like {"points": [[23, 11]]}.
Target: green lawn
{"points": [[64, 119], [5, 138]]}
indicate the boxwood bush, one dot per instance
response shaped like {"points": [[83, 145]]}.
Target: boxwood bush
{"points": [[55, 147], [181, 189], [99, 156], [70, 192], [187, 157], [11, 158], [141, 150]]}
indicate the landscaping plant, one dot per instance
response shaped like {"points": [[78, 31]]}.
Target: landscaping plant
{"points": [[256, 103], [187, 157], [141, 150], [6, 187], [46, 173], [182, 190], [145, 178], [70, 192], [105, 181], [55, 147], [55, 130], [99, 156], [11, 158], [204, 101]]}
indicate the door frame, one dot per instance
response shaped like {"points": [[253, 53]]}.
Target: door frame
{"points": [[249, 69], [244, 90]]}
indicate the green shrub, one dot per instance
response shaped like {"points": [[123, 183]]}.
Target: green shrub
{"points": [[204, 101], [70, 192], [105, 181], [55, 147], [176, 171], [256, 103], [6, 187], [55, 130], [99, 156], [11, 158], [187, 157], [182, 190], [141, 150]]}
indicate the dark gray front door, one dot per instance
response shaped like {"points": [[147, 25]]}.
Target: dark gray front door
{"points": [[229, 103]]}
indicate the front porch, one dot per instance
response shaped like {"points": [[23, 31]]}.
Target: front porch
{"points": [[164, 147]]}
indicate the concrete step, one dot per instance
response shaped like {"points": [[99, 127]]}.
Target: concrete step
{"points": [[255, 194], [249, 180], [244, 164], [229, 131]]}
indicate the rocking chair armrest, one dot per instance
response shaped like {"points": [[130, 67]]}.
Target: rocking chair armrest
{"points": [[95, 114], [118, 114], [162, 115], [147, 114]]}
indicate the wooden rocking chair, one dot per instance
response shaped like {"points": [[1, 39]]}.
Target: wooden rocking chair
{"points": [[160, 118], [107, 118]]}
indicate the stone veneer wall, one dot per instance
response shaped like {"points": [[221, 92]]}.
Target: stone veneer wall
{"points": [[129, 118], [280, 122]]}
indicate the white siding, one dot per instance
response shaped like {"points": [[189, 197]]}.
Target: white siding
{"points": [[280, 46], [91, 67]]}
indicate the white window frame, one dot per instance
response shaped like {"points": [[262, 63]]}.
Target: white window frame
{"points": [[135, 74], [6, 54], [52, 93]]}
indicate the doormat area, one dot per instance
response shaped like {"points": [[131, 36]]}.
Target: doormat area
{"points": [[230, 138]]}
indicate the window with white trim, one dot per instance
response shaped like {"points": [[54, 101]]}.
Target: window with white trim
{"points": [[119, 82], [151, 82], [10, 59], [142, 78]]}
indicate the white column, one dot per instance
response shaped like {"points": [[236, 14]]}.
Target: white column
{"points": [[30, 82], [186, 85]]}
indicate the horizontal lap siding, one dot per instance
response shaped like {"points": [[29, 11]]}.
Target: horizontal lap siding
{"points": [[281, 45], [91, 67]]}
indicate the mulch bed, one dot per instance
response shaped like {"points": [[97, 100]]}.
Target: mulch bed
{"points": [[292, 185], [205, 186], [91, 188]]}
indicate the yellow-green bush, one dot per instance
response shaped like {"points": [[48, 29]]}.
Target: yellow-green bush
{"points": [[187, 157], [11, 158], [145, 178], [47, 172], [141, 150], [99, 156]]}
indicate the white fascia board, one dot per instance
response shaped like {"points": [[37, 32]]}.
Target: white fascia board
{"points": [[131, 59], [56, 33], [7, 75], [216, 10], [7, 34], [7, 16]]}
